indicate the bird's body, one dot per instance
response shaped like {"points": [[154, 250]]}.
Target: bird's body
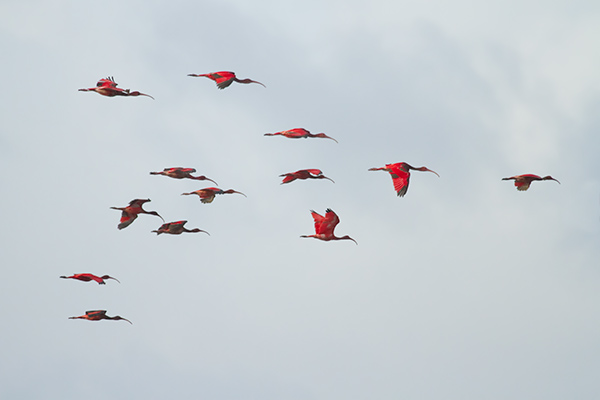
{"points": [[325, 225], [400, 173], [130, 213], [207, 195], [298, 133], [108, 87], [97, 315], [225, 78], [90, 277], [304, 174], [522, 182], [176, 228], [181, 173]]}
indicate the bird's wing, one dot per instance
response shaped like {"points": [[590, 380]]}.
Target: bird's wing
{"points": [[96, 313], [288, 178], [400, 178], [319, 221], [108, 82], [95, 278], [330, 222], [126, 219], [138, 202], [223, 79], [522, 184], [314, 171]]}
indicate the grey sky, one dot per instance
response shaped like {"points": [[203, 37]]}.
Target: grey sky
{"points": [[463, 289]]}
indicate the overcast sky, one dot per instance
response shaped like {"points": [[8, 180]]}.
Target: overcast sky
{"points": [[463, 289]]}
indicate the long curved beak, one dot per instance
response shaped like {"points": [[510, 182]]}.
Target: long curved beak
{"points": [[110, 277], [235, 191], [427, 169], [144, 94], [324, 177]]}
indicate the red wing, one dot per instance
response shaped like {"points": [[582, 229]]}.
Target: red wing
{"points": [[315, 171], [223, 79], [107, 82], [319, 221], [126, 219], [96, 313], [289, 178], [298, 131], [400, 179], [331, 220], [93, 277], [522, 185]]}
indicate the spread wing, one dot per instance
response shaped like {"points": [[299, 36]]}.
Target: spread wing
{"points": [[325, 225], [522, 184], [319, 221], [126, 219], [108, 82], [223, 79], [400, 178]]}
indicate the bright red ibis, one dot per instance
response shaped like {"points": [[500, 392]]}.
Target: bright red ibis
{"points": [[522, 182], [400, 173], [180, 173], [108, 87], [90, 277], [298, 133], [324, 226], [225, 78], [304, 174], [130, 213], [207, 195], [176, 228], [97, 315]]}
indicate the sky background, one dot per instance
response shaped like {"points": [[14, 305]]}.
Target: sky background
{"points": [[463, 289]]}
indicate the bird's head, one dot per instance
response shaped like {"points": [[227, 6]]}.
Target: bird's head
{"points": [[136, 93], [348, 238], [117, 317], [230, 191], [155, 213], [322, 135], [548, 178], [110, 277], [427, 170], [195, 230]]}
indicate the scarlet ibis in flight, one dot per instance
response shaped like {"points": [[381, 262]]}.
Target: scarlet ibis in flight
{"points": [[90, 277], [176, 228], [400, 173], [180, 173], [324, 226], [108, 87], [522, 182], [304, 174], [97, 315], [207, 195], [225, 78], [130, 213], [298, 133]]}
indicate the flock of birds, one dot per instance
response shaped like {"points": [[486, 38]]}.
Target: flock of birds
{"points": [[324, 225]]}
